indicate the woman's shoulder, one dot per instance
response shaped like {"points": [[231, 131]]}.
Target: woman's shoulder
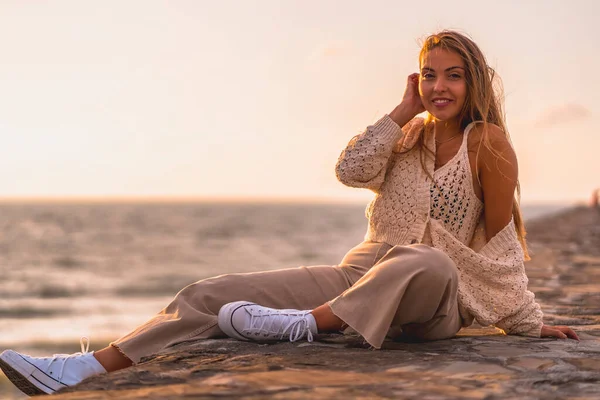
{"points": [[495, 134], [488, 140]]}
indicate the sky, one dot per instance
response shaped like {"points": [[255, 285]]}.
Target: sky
{"points": [[256, 99]]}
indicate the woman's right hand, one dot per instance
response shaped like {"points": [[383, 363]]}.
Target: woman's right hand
{"points": [[411, 97], [411, 104]]}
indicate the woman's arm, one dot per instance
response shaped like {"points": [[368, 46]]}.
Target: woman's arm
{"points": [[498, 172], [499, 176], [365, 160]]}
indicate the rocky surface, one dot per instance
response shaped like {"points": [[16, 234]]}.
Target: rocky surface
{"points": [[481, 363]]}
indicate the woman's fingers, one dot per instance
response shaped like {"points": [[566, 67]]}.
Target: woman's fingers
{"points": [[561, 332], [413, 81], [569, 332], [558, 333], [566, 332], [411, 97]]}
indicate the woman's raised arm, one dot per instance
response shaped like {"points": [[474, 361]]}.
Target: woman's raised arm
{"points": [[364, 161]]}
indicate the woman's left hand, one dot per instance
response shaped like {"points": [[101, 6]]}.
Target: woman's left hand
{"points": [[561, 332]]}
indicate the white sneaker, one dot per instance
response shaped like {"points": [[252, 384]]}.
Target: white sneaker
{"points": [[249, 321], [45, 375]]}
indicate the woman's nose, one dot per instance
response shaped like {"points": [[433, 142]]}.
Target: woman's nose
{"points": [[440, 85]]}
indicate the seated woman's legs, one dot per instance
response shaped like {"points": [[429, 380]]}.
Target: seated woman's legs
{"points": [[412, 288], [192, 315], [246, 320], [112, 359]]}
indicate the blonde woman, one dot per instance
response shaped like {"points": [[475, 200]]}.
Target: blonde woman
{"points": [[445, 243]]}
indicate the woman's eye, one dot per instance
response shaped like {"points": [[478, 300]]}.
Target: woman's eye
{"points": [[427, 75], [455, 76]]}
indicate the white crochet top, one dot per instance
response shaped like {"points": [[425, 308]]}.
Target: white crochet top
{"points": [[410, 208], [453, 200]]}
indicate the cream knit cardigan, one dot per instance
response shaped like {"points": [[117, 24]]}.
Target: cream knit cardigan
{"points": [[493, 283]]}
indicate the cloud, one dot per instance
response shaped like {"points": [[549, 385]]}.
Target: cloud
{"points": [[563, 114]]}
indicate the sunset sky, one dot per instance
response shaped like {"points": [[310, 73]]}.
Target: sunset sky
{"points": [[258, 98]]}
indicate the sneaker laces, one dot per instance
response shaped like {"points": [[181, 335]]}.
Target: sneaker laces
{"points": [[65, 357], [297, 328]]}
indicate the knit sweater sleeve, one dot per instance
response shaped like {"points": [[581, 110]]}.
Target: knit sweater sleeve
{"points": [[493, 282], [364, 161]]}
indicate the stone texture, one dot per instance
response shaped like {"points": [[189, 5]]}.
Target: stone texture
{"points": [[480, 363]]}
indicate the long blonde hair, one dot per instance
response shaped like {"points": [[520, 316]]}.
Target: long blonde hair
{"points": [[484, 102]]}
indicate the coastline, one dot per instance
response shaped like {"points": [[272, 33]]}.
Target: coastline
{"points": [[481, 362]]}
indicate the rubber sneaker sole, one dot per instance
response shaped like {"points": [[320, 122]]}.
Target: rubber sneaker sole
{"points": [[225, 316], [27, 377]]}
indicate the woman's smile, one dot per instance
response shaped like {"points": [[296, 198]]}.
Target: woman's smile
{"points": [[440, 102]]}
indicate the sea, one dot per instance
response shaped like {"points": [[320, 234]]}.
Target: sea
{"points": [[97, 270]]}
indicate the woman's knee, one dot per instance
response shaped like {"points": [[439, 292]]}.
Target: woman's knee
{"points": [[428, 262], [210, 293], [439, 264]]}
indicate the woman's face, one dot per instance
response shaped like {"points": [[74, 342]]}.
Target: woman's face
{"points": [[442, 84]]}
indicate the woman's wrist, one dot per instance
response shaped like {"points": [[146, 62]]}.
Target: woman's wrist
{"points": [[401, 115]]}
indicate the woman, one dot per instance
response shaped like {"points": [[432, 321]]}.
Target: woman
{"points": [[445, 243]]}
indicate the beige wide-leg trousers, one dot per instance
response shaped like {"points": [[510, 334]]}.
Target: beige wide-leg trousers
{"points": [[377, 289]]}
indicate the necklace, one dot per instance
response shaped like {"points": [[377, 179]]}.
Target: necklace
{"points": [[447, 140]]}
